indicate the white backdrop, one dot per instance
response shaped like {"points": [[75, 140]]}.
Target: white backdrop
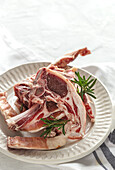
{"points": [[51, 27]]}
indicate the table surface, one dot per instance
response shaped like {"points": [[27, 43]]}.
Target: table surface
{"points": [[53, 28]]}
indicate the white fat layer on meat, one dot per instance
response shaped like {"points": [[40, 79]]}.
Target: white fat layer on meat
{"points": [[56, 142], [72, 94], [74, 117], [80, 106], [60, 116], [64, 109], [49, 98]]}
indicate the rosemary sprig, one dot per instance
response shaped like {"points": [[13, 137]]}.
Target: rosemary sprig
{"points": [[51, 124], [86, 85], [21, 107]]}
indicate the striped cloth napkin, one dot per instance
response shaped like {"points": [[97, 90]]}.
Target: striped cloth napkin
{"points": [[14, 54]]}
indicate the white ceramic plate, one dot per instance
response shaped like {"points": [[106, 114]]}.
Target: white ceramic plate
{"points": [[94, 137]]}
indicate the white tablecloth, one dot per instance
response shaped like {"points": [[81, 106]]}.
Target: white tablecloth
{"points": [[44, 30]]}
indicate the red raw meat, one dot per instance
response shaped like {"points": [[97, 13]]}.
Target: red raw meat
{"points": [[57, 94]]}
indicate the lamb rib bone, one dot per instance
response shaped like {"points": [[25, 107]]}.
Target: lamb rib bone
{"points": [[40, 143], [67, 58]]}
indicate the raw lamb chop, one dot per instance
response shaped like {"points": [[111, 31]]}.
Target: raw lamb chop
{"points": [[56, 90], [49, 92], [40, 143]]}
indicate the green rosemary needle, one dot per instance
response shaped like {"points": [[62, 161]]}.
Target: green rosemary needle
{"points": [[51, 124], [86, 85]]}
